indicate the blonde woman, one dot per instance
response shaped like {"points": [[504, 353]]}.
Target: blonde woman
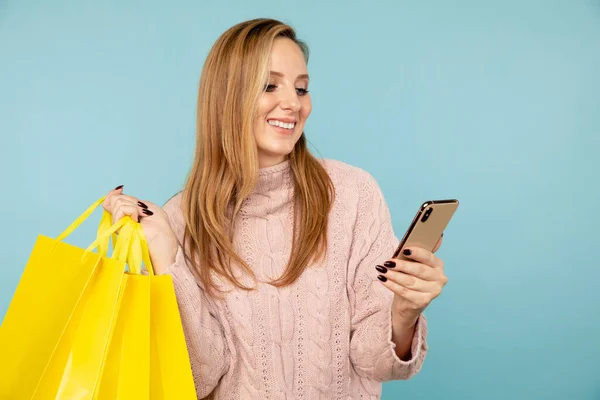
{"points": [[281, 261]]}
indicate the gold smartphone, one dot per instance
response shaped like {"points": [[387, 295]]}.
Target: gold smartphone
{"points": [[428, 225]]}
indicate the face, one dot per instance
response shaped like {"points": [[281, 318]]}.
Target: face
{"points": [[284, 105]]}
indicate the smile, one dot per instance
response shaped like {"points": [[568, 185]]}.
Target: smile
{"points": [[281, 124]]}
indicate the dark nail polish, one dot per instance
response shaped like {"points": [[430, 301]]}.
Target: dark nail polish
{"points": [[442, 234], [381, 269], [389, 264], [119, 187], [382, 278], [147, 212], [142, 204], [407, 252], [139, 219]]}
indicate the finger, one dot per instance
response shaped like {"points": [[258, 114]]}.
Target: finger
{"points": [[113, 195], [438, 244], [125, 209], [408, 281], [134, 200], [143, 209], [119, 200], [423, 256], [110, 195], [418, 270], [124, 197], [147, 205], [146, 212], [418, 299], [116, 200]]}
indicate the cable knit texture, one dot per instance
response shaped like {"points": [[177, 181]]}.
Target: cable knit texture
{"points": [[327, 336]]}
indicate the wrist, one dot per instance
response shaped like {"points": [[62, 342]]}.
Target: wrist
{"points": [[162, 263], [401, 322], [163, 255], [403, 331], [402, 318]]}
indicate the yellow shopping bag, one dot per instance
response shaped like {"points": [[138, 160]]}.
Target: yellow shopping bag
{"points": [[82, 326], [166, 366]]}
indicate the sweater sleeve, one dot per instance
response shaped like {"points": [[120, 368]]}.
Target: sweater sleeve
{"points": [[372, 351], [204, 333]]}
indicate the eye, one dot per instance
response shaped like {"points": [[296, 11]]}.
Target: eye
{"points": [[270, 87], [301, 91]]}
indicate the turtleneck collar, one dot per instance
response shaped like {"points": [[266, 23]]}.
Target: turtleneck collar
{"points": [[273, 178], [273, 192]]}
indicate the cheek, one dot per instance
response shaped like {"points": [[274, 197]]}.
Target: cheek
{"points": [[306, 107], [265, 106]]}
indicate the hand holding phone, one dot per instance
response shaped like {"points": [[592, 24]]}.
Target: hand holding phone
{"points": [[415, 287]]}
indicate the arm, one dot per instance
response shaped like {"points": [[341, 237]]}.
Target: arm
{"points": [[382, 347], [402, 336]]}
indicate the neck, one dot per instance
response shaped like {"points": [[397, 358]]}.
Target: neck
{"points": [[265, 161]]}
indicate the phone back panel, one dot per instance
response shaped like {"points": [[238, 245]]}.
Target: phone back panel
{"points": [[428, 225]]}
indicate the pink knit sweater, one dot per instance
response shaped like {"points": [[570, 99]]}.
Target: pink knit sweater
{"points": [[327, 336]]}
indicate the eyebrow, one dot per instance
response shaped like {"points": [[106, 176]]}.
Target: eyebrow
{"points": [[279, 74]]}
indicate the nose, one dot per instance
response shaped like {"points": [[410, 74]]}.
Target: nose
{"points": [[289, 100]]}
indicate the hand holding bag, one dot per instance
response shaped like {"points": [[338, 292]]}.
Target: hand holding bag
{"points": [[82, 325]]}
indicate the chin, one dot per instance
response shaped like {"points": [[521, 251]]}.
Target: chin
{"points": [[276, 154], [274, 147], [270, 156], [277, 147]]}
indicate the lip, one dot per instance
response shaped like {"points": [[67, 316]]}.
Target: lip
{"points": [[282, 131], [286, 120]]}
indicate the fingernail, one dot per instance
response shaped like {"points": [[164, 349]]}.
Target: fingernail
{"points": [[142, 204], [147, 212], [407, 252], [139, 219], [442, 234], [381, 269], [389, 264], [382, 278], [119, 187]]}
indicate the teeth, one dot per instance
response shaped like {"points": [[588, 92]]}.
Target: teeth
{"points": [[280, 124]]}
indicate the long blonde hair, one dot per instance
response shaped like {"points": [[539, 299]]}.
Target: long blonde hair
{"points": [[225, 167]]}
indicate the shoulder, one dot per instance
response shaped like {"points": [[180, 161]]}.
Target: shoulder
{"points": [[356, 190], [173, 209], [347, 176], [359, 199]]}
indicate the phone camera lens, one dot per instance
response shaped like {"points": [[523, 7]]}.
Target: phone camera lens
{"points": [[427, 214]]}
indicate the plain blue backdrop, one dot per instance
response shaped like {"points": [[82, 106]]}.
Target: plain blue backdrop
{"points": [[491, 102]]}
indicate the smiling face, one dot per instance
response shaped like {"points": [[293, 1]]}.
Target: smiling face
{"points": [[285, 104]]}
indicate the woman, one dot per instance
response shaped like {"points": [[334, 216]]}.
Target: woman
{"points": [[279, 260]]}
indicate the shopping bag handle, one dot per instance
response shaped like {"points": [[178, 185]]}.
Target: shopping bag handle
{"points": [[144, 253], [105, 224], [131, 246], [79, 220]]}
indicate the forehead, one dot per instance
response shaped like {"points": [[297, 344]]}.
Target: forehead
{"points": [[287, 57]]}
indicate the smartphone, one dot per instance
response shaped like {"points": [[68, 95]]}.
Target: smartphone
{"points": [[428, 225]]}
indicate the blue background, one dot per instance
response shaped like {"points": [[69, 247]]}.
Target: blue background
{"points": [[491, 102]]}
